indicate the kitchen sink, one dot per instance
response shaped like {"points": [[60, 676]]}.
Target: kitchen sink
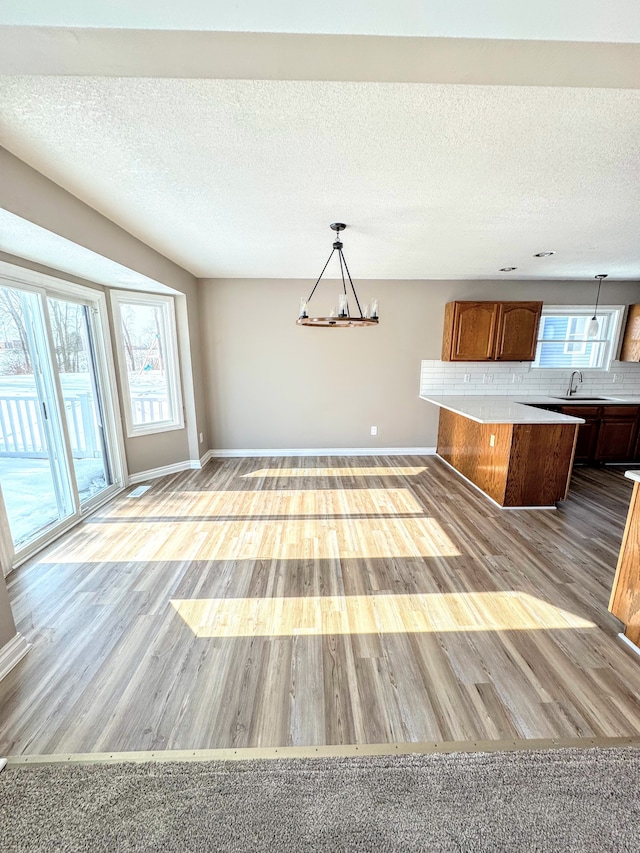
{"points": [[577, 399]]}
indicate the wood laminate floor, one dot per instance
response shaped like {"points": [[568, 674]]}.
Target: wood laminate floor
{"points": [[302, 601]]}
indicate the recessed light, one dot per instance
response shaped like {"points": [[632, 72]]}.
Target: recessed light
{"points": [[543, 254], [508, 269]]}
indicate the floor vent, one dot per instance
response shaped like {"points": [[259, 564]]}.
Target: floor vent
{"points": [[138, 491]]}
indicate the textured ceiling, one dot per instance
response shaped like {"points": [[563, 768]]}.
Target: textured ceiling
{"points": [[590, 20], [242, 177]]}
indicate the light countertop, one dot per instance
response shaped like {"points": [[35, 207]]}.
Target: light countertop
{"points": [[633, 475], [502, 410]]}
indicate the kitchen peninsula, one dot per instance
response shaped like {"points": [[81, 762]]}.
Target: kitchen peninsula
{"points": [[518, 455]]}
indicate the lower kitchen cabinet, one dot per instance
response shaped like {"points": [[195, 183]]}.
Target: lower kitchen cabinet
{"points": [[587, 432], [609, 434], [616, 439]]}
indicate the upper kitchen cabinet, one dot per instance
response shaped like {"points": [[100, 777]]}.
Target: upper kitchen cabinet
{"points": [[490, 331], [517, 330], [630, 350]]}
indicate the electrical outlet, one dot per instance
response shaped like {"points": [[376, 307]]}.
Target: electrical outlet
{"points": [[201, 438], [492, 441], [467, 377], [516, 377], [617, 377], [487, 377], [374, 430]]}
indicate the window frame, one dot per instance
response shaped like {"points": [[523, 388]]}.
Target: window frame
{"points": [[615, 315], [172, 360]]}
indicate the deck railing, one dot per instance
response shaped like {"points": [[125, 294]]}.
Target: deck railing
{"points": [[22, 428]]}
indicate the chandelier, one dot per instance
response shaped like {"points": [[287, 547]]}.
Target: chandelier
{"points": [[341, 317]]}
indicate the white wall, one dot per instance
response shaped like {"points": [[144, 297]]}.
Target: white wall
{"points": [[519, 379]]}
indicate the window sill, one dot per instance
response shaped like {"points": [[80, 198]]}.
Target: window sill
{"points": [[134, 432]]}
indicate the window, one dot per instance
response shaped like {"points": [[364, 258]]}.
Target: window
{"points": [[145, 328], [563, 340]]}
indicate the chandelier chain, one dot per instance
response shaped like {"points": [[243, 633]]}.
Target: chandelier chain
{"points": [[320, 276]]}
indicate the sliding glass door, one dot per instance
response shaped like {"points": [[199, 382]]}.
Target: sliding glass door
{"points": [[75, 352], [58, 450], [35, 478]]}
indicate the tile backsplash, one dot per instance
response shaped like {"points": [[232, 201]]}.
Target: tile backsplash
{"points": [[520, 379]]}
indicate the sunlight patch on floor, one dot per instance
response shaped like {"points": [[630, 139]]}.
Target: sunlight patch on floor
{"points": [[357, 471], [273, 502], [373, 614], [322, 538]]}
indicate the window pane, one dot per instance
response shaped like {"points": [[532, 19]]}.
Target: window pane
{"points": [[146, 349], [80, 390], [559, 354], [554, 327], [33, 473]]}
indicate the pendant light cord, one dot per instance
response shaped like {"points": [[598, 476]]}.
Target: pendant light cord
{"points": [[595, 310]]}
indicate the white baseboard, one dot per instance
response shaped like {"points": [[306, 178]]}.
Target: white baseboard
{"points": [[195, 464], [12, 653], [629, 643], [164, 470], [320, 451]]}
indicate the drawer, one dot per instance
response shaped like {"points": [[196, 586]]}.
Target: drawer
{"points": [[581, 411], [620, 411]]}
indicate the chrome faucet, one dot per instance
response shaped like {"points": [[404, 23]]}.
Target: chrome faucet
{"points": [[571, 390]]}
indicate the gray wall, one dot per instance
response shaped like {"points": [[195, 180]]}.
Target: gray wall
{"points": [[7, 625], [30, 195], [150, 451], [272, 384], [145, 452]]}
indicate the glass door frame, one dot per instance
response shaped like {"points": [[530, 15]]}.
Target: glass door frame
{"points": [[49, 287]]}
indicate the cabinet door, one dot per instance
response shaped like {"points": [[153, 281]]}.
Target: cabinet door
{"points": [[631, 339], [616, 439], [517, 330], [474, 327], [587, 432]]}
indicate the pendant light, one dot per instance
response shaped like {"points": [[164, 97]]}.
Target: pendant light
{"points": [[342, 318], [594, 326]]}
